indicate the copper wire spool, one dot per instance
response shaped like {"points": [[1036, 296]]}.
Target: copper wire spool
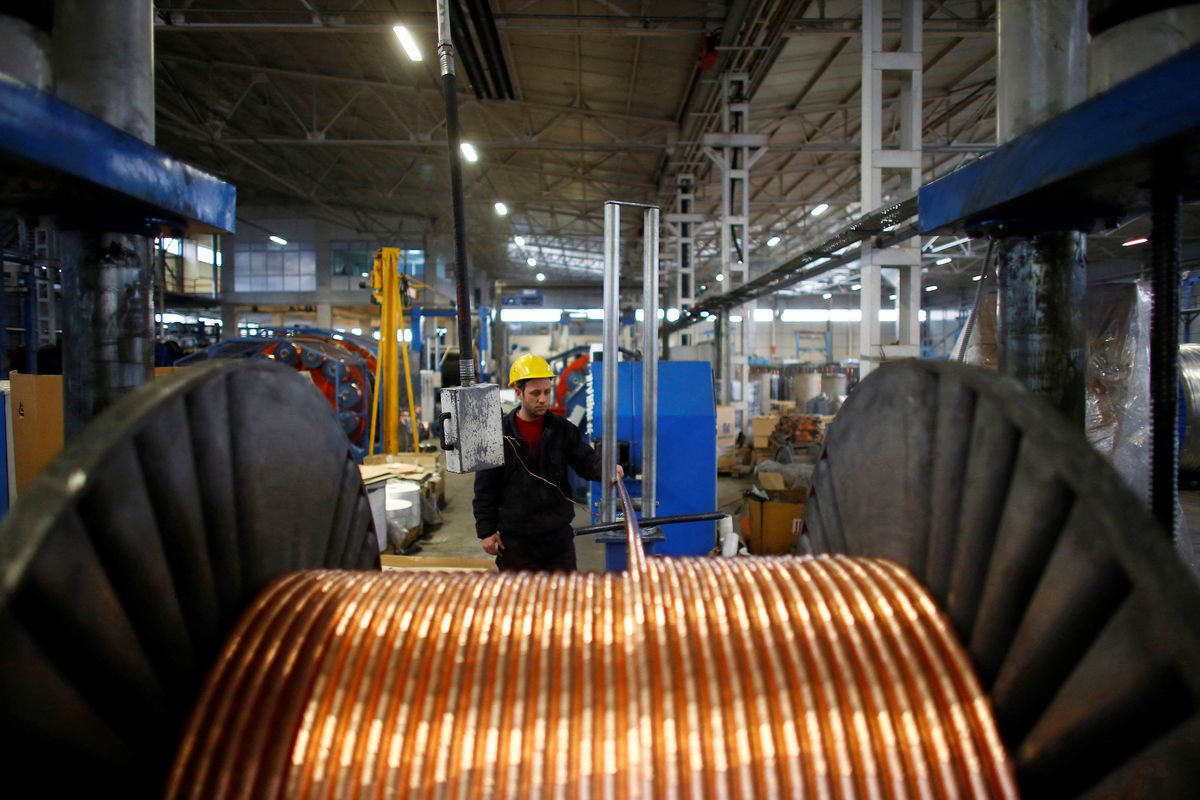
{"points": [[824, 677]]}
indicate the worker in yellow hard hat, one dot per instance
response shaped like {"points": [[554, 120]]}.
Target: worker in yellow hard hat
{"points": [[523, 510]]}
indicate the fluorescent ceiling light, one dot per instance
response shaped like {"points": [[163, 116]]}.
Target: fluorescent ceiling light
{"points": [[672, 314], [704, 288], [735, 318], [520, 240], [941, 261], [931, 288], [1132, 242], [837, 315], [827, 296], [541, 276], [720, 277], [977, 277], [468, 151], [774, 240], [819, 209], [279, 240], [501, 209], [356, 331], [948, 245], [764, 314], [854, 287], [891, 297], [531, 261], [408, 43]]}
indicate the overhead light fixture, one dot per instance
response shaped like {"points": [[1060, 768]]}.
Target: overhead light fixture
{"points": [[891, 297], [739, 262], [468, 151], [1132, 242], [948, 245], [408, 43], [854, 287], [356, 331], [279, 240], [774, 240], [541, 276], [819, 209], [501, 209], [735, 318], [976, 277], [827, 296], [520, 240], [941, 261], [931, 288], [720, 277], [531, 261], [703, 288]]}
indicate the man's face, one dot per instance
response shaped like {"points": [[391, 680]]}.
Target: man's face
{"points": [[536, 396]]}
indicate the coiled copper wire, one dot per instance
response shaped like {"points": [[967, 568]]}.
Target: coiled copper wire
{"points": [[749, 677]]}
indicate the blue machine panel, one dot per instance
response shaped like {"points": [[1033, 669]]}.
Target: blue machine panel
{"points": [[93, 164], [1091, 162], [687, 446]]}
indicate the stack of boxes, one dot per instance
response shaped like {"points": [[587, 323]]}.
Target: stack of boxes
{"points": [[761, 429], [727, 452]]}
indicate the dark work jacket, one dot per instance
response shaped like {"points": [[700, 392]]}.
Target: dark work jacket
{"points": [[517, 505]]}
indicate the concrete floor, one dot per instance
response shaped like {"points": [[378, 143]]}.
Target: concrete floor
{"points": [[455, 537]]}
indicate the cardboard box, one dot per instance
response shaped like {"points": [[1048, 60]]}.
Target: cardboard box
{"points": [[763, 426], [771, 481], [37, 424], [437, 564], [726, 441], [726, 426], [762, 442], [775, 524]]}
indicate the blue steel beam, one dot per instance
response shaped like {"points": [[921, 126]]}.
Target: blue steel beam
{"points": [[1093, 162], [73, 162]]}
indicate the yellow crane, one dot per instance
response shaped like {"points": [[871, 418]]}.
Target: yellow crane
{"points": [[386, 287]]}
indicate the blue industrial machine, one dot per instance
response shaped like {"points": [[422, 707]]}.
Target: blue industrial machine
{"points": [[687, 447]]}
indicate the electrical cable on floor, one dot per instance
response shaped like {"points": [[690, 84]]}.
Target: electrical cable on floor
{"points": [[702, 677]]}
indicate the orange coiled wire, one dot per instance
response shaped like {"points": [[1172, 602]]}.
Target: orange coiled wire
{"points": [[751, 677]]}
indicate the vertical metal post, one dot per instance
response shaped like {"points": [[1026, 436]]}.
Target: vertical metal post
{"points": [[1164, 357], [1039, 322], [466, 348], [875, 159], [611, 354], [1041, 71], [650, 363]]}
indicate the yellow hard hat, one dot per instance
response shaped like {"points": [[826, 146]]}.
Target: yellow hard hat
{"points": [[528, 366]]}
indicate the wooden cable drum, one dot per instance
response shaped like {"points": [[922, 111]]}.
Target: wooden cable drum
{"points": [[824, 677]]}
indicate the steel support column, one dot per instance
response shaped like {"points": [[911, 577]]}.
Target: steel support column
{"points": [[104, 64], [904, 159], [738, 151], [108, 331], [1041, 72], [682, 227]]}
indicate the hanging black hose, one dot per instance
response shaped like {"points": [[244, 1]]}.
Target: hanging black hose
{"points": [[1164, 356], [466, 345]]}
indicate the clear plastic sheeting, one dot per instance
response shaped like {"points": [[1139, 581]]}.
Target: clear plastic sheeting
{"points": [[1117, 317]]}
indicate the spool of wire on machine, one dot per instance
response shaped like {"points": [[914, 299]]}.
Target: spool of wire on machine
{"points": [[749, 677]]}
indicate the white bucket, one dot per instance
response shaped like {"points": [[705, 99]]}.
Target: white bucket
{"points": [[402, 502]]}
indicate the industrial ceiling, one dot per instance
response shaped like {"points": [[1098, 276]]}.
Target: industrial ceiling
{"points": [[314, 104]]}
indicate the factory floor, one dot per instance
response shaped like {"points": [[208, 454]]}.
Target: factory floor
{"points": [[455, 537]]}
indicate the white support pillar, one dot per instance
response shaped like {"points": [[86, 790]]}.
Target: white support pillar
{"points": [[905, 159], [682, 227], [738, 151]]}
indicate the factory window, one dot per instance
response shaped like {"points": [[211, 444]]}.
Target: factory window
{"points": [[350, 263], [269, 267]]}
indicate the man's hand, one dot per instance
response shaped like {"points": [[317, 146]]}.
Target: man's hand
{"points": [[620, 473], [492, 545]]}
